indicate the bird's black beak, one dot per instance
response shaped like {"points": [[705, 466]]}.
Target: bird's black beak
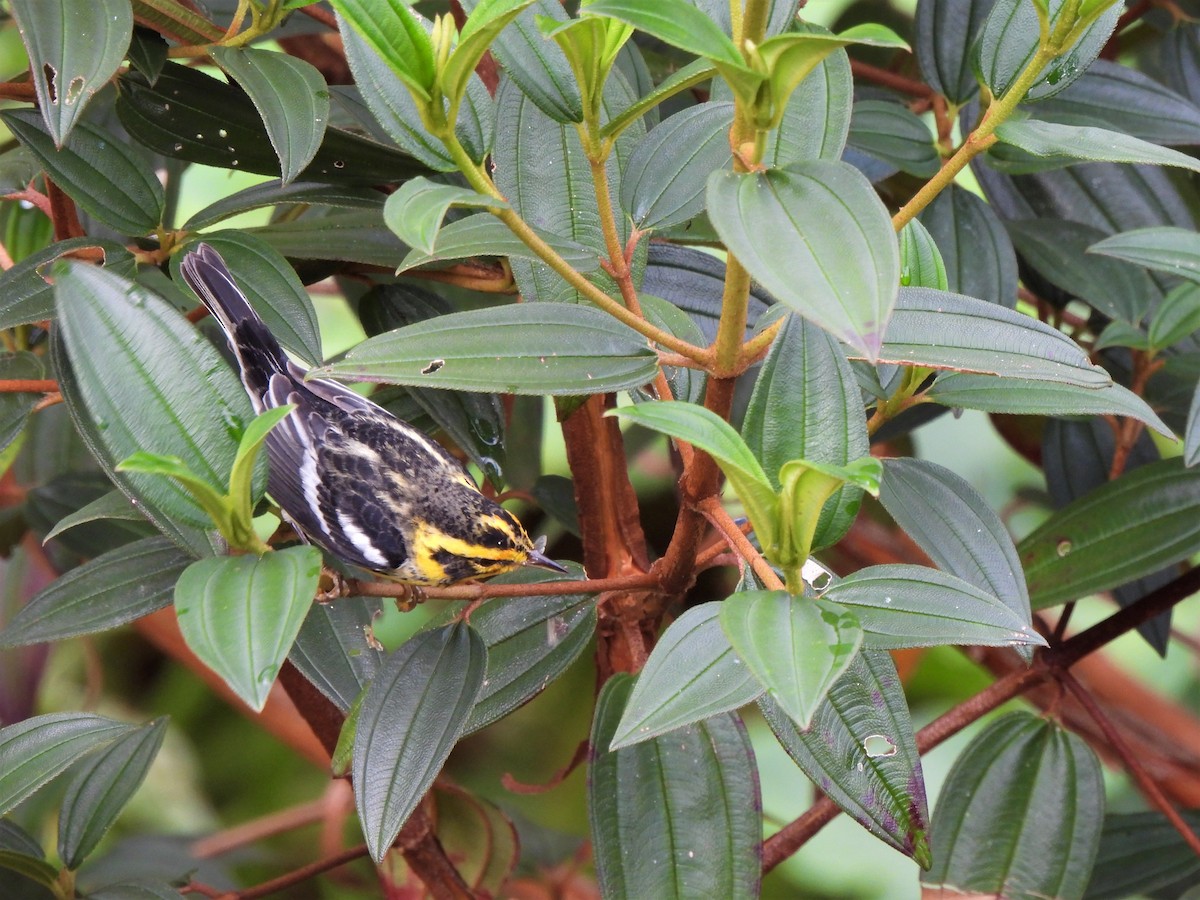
{"points": [[542, 561]]}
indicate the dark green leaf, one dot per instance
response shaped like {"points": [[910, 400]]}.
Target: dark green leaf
{"points": [[117, 587], [485, 235], [1085, 142], [819, 239], [102, 173], [525, 348], [357, 236], [240, 614], [1142, 854], [272, 193], [415, 211], [137, 889], [270, 284], [861, 753], [678, 816], [1023, 785], [100, 788], [796, 647], [664, 182], [807, 405], [112, 505], [530, 642], [951, 331], [335, 649], [915, 606], [36, 750], [149, 381], [148, 51], [894, 134], [976, 249], [26, 296], [945, 36], [74, 48], [1010, 38], [14, 837], [411, 717], [692, 674], [28, 869], [1127, 528]]}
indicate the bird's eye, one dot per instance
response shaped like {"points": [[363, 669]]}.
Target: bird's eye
{"points": [[495, 538]]}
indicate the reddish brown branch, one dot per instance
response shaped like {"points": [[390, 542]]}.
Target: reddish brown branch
{"points": [[911, 86], [63, 213], [28, 386]]}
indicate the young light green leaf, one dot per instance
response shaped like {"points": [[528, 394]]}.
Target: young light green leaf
{"points": [[796, 647], [416, 210], [241, 476], [240, 614], [817, 236], [289, 94], [398, 36], [675, 22], [692, 674], [921, 262], [483, 25], [707, 431], [411, 717]]}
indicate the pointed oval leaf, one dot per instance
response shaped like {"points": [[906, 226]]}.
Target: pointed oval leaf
{"points": [[149, 382], [915, 606], [796, 647], [1022, 786], [101, 172], [530, 642], [861, 753], [273, 193], [816, 120], [1175, 251], [953, 524], [38, 749], [114, 588], [675, 22], [1125, 529], [240, 614], [485, 235], [944, 37], [678, 816], [893, 133], [807, 405], [663, 184], [525, 348], [817, 237], [1141, 854], [976, 249], [942, 330], [74, 48], [335, 650], [1086, 142], [1045, 398], [410, 719], [487, 21], [113, 506], [921, 263], [480, 838], [398, 36], [416, 210], [289, 94], [101, 787], [270, 284], [25, 294], [692, 674]]}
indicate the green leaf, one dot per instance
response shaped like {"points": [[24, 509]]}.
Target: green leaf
{"points": [[686, 383], [664, 182], [74, 48], [1059, 251], [240, 614], [1125, 529], [15, 407], [1191, 437], [273, 193], [269, 283], [707, 431], [692, 674], [817, 237], [861, 752], [411, 717], [807, 405], [148, 381], [796, 647], [101, 787], [38, 749], [30, 868], [944, 36], [1142, 853], [525, 348], [893, 133], [114, 588], [675, 22], [657, 832], [1020, 395], [487, 19], [921, 262], [485, 235], [415, 211], [915, 606], [695, 72], [136, 889], [1175, 251], [1010, 38], [398, 36], [25, 294], [1090, 144], [357, 236], [334, 648], [530, 642], [816, 120], [942, 330], [114, 506], [978, 254], [1176, 318], [289, 94], [1023, 785], [99, 171]]}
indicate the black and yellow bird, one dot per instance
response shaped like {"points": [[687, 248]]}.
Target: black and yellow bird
{"points": [[352, 478]]}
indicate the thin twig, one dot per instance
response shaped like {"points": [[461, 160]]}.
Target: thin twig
{"points": [[723, 522], [488, 591]]}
